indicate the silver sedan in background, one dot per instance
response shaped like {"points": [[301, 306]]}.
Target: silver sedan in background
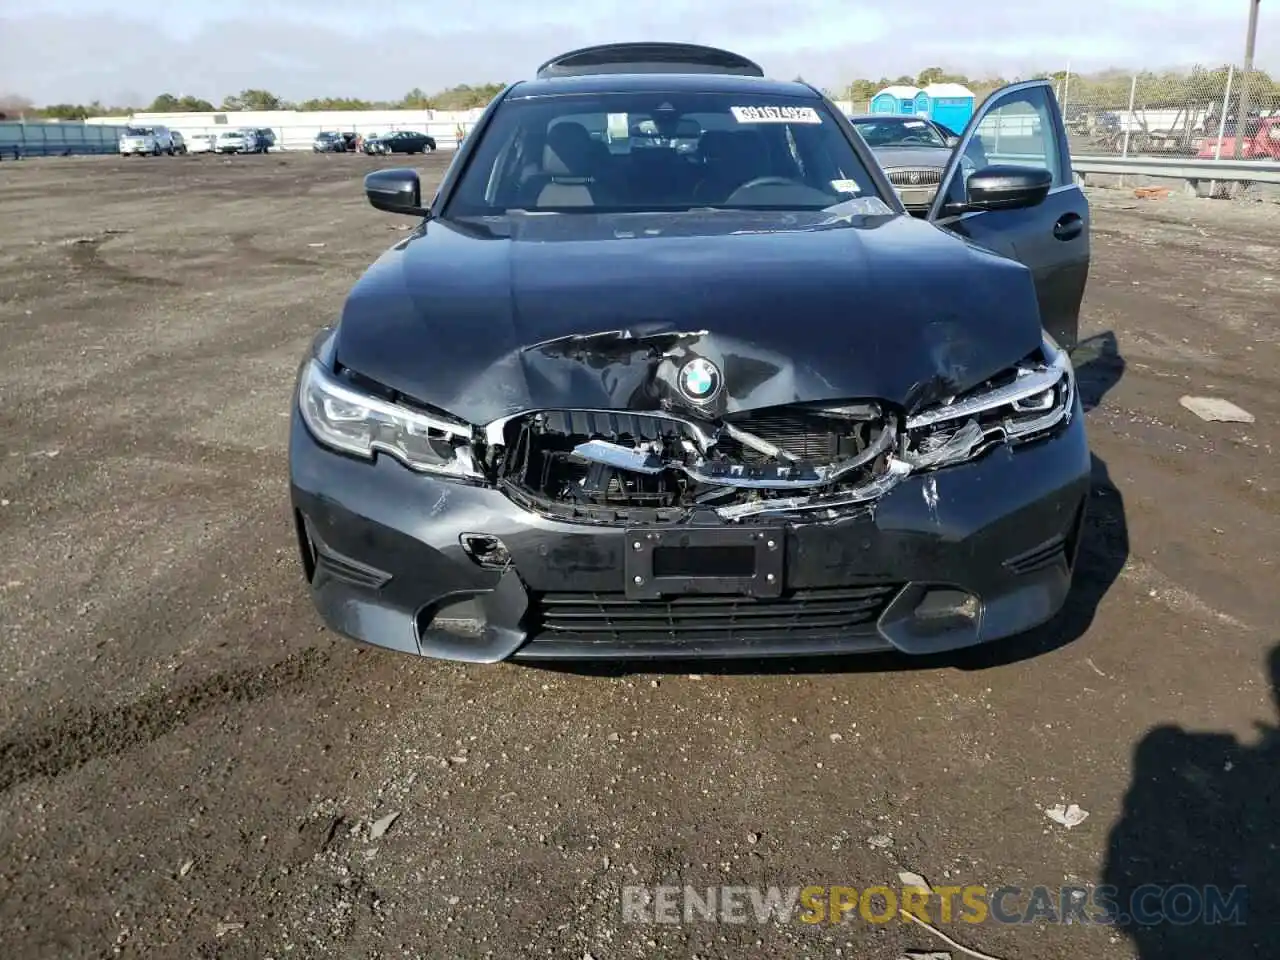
{"points": [[913, 152]]}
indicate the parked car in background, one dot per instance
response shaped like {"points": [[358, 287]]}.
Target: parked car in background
{"points": [[913, 151], [179, 142], [400, 141], [266, 138], [201, 143], [146, 141], [329, 141], [237, 141], [1261, 140]]}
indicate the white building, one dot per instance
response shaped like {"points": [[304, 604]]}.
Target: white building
{"points": [[295, 129]]}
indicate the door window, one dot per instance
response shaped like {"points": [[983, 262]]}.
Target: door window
{"points": [[1015, 127], [1020, 131]]}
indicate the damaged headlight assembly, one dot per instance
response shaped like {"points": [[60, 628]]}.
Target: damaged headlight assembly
{"points": [[352, 421], [1034, 398], [662, 460]]}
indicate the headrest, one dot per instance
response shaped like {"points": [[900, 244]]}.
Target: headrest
{"points": [[569, 150]]}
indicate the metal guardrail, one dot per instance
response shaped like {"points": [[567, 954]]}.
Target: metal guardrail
{"points": [[1181, 168]]}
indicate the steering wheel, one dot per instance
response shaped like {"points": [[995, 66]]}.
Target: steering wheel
{"points": [[766, 182]]}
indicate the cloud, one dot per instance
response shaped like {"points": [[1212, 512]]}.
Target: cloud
{"points": [[79, 50]]}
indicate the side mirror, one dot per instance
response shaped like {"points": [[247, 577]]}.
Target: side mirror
{"points": [[1004, 187], [395, 191], [952, 141]]}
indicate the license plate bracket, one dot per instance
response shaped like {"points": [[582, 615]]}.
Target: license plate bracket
{"points": [[747, 561]]}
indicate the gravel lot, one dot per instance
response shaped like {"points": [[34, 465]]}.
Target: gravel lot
{"points": [[191, 767]]}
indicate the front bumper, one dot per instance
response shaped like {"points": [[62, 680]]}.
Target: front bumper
{"points": [[382, 552]]}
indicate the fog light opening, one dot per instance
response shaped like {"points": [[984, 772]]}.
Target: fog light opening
{"points": [[944, 603], [486, 550], [944, 610], [462, 619]]}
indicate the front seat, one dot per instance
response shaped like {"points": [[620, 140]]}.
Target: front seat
{"points": [[570, 164], [731, 158]]}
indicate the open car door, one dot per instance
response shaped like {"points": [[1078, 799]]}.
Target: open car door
{"points": [[1016, 141]]}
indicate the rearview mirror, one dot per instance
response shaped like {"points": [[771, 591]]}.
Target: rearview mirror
{"points": [[395, 191], [1004, 187]]}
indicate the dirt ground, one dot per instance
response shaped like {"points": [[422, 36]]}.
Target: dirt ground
{"points": [[191, 767]]}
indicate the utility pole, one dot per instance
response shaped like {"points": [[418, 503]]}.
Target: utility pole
{"points": [[1242, 118]]}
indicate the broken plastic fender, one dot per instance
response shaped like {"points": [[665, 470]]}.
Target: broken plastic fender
{"points": [[895, 473]]}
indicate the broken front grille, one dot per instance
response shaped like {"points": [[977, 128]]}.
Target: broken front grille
{"points": [[609, 618], [806, 435], [612, 467]]}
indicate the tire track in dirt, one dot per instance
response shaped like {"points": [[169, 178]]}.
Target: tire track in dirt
{"points": [[75, 735], [85, 253]]}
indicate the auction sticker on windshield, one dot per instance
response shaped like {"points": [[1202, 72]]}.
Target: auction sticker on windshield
{"points": [[776, 114]]}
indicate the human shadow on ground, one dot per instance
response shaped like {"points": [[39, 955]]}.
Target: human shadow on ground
{"points": [[1192, 862]]}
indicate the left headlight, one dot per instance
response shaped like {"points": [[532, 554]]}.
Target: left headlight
{"points": [[347, 419], [1029, 401]]}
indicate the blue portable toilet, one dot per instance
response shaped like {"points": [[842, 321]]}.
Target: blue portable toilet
{"points": [[898, 99], [949, 104]]}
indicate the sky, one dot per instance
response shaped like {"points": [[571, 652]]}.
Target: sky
{"points": [[126, 53]]}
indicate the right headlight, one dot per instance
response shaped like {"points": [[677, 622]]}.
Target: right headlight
{"points": [[1028, 401], [348, 419]]}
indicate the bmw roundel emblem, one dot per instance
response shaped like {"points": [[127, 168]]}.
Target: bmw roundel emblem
{"points": [[700, 380]]}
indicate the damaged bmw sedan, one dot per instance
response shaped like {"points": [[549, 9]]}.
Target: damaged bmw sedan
{"points": [[666, 370]]}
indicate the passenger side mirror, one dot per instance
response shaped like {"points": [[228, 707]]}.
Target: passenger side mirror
{"points": [[1003, 187], [395, 191], [952, 141]]}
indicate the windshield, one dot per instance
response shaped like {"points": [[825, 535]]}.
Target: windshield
{"points": [[634, 152], [898, 132], [138, 132]]}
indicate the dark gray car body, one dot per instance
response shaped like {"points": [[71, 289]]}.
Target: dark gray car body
{"points": [[580, 325]]}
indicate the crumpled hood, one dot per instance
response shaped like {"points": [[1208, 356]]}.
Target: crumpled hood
{"points": [[603, 311]]}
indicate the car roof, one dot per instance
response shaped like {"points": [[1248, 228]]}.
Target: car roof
{"points": [[855, 117], [661, 83], [648, 56]]}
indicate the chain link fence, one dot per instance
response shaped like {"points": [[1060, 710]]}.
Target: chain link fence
{"points": [[1194, 114]]}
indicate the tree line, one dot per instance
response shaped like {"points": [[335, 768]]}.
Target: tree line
{"points": [[1106, 89], [461, 97]]}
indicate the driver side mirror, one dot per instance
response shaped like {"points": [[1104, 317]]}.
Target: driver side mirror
{"points": [[395, 191], [1005, 187], [952, 141]]}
